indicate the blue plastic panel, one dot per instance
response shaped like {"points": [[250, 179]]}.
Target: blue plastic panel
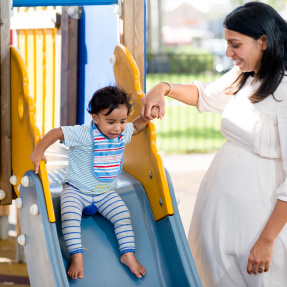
{"points": [[97, 40], [145, 61], [32, 3]]}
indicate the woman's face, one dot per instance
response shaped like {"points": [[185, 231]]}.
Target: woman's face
{"points": [[245, 51]]}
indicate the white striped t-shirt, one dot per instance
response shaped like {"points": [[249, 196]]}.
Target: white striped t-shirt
{"points": [[79, 141]]}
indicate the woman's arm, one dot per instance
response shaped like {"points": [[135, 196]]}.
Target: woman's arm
{"points": [[261, 252], [263, 248], [213, 97], [38, 154], [186, 93]]}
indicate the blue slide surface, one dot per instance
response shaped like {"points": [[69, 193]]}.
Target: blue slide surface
{"points": [[160, 246]]}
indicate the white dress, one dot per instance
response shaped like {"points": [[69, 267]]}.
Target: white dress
{"points": [[240, 189]]}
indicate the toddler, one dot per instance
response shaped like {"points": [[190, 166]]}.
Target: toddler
{"points": [[95, 161]]}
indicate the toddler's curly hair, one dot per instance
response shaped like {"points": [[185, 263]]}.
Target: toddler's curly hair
{"points": [[109, 97]]}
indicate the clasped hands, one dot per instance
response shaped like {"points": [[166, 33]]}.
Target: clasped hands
{"points": [[153, 105]]}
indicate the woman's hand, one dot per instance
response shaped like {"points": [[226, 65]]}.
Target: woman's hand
{"points": [[261, 253], [155, 97], [260, 257]]}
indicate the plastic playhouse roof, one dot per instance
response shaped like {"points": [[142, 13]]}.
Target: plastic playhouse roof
{"points": [[31, 3]]}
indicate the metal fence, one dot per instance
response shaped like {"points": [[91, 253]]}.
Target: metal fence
{"points": [[183, 129], [180, 63]]}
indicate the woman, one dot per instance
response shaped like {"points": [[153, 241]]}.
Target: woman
{"points": [[238, 235]]}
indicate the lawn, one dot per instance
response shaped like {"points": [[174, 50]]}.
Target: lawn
{"points": [[183, 129]]}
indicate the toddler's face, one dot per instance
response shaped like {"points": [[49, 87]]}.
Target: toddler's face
{"points": [[114, 124]]}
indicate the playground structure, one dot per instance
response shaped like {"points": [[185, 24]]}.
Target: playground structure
{"points": [[146, 189]]}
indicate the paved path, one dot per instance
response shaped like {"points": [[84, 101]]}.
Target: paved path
{"points": [[186, 173]]}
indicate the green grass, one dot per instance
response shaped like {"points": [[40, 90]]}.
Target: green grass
{"points": [[183, 129]]}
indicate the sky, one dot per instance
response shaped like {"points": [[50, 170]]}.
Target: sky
{"points": [[202, 5]]}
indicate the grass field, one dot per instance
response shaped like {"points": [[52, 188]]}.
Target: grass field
{"points": [[183, 129]]}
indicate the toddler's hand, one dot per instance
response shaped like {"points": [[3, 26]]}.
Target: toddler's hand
{"points": [[36, 158], [154, 112]]}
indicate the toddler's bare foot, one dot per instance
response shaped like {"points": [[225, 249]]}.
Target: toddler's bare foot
{"points": [[130, 260], [76, 268]]}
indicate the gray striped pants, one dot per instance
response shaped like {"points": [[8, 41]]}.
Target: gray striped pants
{"points": [[108, 204]]}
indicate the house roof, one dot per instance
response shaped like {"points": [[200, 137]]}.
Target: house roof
{"points": [[176, 35]]}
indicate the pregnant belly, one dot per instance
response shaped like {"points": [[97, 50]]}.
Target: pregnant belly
{"points": [[241, 177]]}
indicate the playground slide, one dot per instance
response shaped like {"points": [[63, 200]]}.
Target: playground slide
{"points": [[160, 246], [144, 185]]}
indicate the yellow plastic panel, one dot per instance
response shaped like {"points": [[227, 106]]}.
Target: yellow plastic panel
{"points": [[39, 67], [49, 86], [38, 49], [141, 159], [22, 43], [30, 63], [25, 134]]}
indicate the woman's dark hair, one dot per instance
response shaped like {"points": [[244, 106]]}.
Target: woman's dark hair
{"points": [[109, 97], [255, 19]]}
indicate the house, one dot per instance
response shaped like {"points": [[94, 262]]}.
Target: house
{"points": [[185, 25]]}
